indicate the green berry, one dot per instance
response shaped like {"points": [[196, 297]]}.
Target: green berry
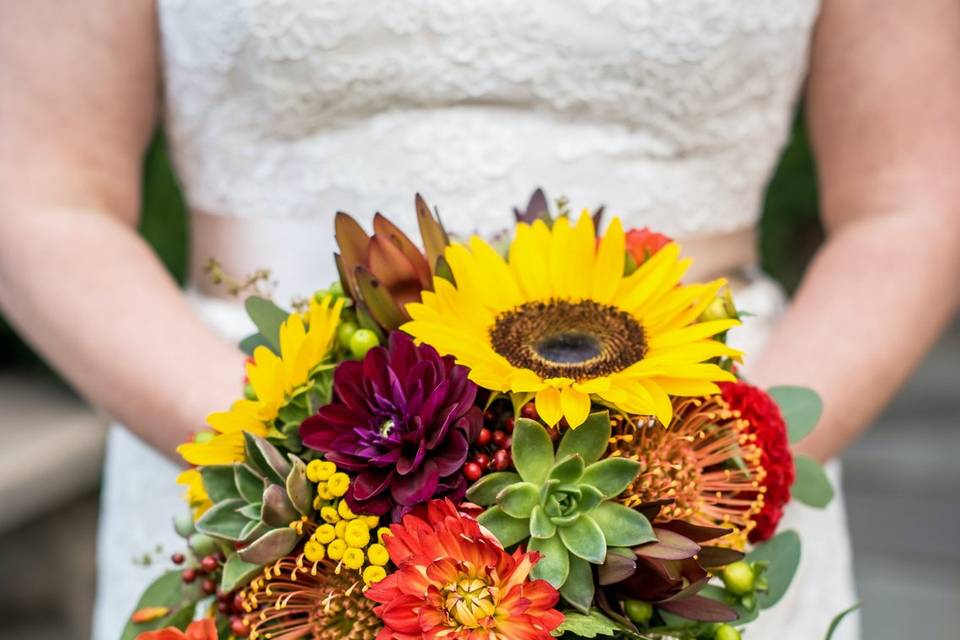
{"points": [[362, 341], [202, 545], [738, 578], [336, 289], [183, 525], [638, 611], [319, 295], [344, 332], [726, 632]]}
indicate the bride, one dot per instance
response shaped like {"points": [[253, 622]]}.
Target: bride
{"points": [[281, 112]]}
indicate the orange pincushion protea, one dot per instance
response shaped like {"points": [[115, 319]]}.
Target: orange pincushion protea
{"points": [[455, 581], [707, 462]]}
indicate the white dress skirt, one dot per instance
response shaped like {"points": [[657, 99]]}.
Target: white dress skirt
{"points": [[281, 112]]}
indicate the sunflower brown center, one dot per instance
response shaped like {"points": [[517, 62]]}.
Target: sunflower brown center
{"points": [[561, 338]]}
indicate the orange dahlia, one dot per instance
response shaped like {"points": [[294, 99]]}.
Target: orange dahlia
{"points": [[455, 581], [708, 463]]}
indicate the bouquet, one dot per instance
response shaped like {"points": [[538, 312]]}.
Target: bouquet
{"points": [[540, 436]]}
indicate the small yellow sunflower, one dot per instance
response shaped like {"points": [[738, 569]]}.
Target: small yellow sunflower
{"points": [[275, 379], [196, 495], [559, 319]]}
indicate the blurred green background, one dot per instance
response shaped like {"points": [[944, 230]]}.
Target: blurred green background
{"points": [[790, 229]]}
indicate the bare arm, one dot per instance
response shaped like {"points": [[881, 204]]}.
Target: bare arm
{"points": [[78, 101], [884, 112]]}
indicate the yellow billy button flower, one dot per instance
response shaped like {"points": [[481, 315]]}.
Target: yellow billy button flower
{"points": [[338, 484], [378, 555], [329, 514], [336, 549], [373, 574], [357, 534], [320, 470], [344, 510], [371, 521], [314, 551], [382, 532], [325, 534], [353, 558], [341, 529]]}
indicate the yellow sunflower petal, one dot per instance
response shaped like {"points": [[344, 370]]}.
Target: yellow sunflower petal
{"points": [[559, 259], [653, 276], [575, 405], [580, 257], [528, 252], [549, 405], [608, 268], [691, 333], [662, 407], [226, 448], [686, 387]]}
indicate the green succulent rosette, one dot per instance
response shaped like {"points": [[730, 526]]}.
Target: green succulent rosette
{"points": [[562, 503]]}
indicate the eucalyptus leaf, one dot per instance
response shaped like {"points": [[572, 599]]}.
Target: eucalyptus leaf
{"points": [[507, 529], [611, 476], [169, 591], [801, 408], [554, 563], [518, 500], [590, 439], [532, 451], [811, 486], [485, 490], [218, 482], [267, 317], [249, 344], [578, 590], [584, 538], [622, 526], [223, 520], [237, 573], [782, 555]]}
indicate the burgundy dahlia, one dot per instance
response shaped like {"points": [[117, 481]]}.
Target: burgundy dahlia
{"points": [[401, 423]]}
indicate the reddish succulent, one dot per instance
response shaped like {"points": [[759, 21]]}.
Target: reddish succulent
{"points": [[767, 424], [402, 420]]}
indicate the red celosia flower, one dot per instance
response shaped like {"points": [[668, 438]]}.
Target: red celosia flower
{"points": [[204, 629], [455, 581], [643, 243], [766, 422]]}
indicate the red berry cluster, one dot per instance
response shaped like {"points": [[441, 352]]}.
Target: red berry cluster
{"points": [[491, 450], [229, 604]]}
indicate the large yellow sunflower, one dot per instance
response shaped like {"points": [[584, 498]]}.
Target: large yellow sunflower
{"points": [[559, 319], [275, 379]]}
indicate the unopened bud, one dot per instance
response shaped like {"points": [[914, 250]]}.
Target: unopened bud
{"points": [[726, 632], [738, 578], [183, 525], [203, 545], [638, 611], [721, 308]]}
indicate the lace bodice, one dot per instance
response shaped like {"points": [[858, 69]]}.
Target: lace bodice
{"points": [[671, 112]]}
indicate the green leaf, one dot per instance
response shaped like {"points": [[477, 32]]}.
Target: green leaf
{"points": [[271, 546], [265, 458], [622, 526], [507, 529], [223, 520], [554, 565], [249, 484], [782, 555], [267, 317], [299, 489], [540, 524], [518, 500], [218, 482], [839, 618], [251, 511], [277, 510], [569, 469], [611, 476], [811, 486], [249, 344], [166, 591], [801, 408], [590, 439], [378, 300], [586, 625], [584, 539], [579, 588], [532, 451], [485, 490], [237, 573]]}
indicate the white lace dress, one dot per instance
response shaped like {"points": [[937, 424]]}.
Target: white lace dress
{"points": [[281, 112]]}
